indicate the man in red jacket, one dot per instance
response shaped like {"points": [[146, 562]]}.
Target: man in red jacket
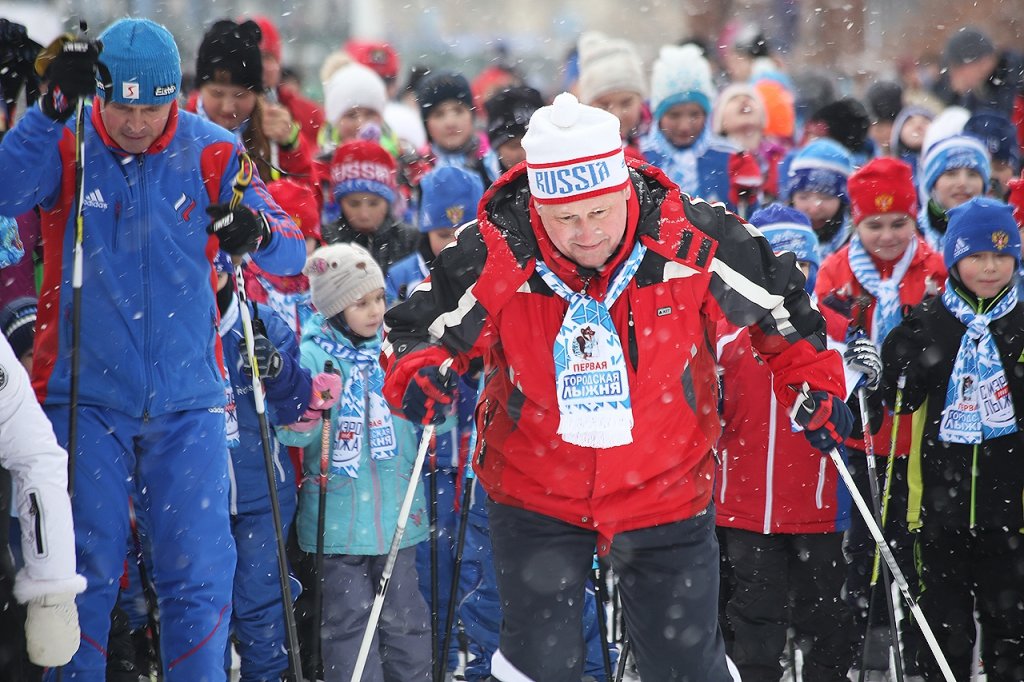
{"points": [[608, 447]]}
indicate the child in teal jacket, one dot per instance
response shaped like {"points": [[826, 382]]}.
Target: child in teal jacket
{"points": [[371, 459]]}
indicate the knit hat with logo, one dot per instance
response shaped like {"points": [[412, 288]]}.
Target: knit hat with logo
{"points": [[680, 75], [573, 152], [980, 224], [787, 229], [449, 198], [143, 63], [955, 151], [18, 324], [339, 275], [883, 185], [363, 166], [233, 51], [822, 166], [380, 57], [608, 65]]}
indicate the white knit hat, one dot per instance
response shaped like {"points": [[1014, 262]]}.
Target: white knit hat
{"points": [[680, 74], [573, 152], [339, 275], [353, 85], [608, 65]]}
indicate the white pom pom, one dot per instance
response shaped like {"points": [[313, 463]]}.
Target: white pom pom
{"points": [[565, 110]]}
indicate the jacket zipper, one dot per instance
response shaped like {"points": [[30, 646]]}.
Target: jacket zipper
{"points": [[974, 486], [483, 433], [148, 313], [37, 523], [768, 482]]}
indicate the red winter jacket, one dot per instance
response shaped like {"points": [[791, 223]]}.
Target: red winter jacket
{"points": [[770, 479], [836, 286], [485, 299]]}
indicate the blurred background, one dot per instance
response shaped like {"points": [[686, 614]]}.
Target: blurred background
{"points": [[855, 41]]}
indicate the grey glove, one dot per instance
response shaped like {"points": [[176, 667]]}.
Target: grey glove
{"points": [[862, 356]]}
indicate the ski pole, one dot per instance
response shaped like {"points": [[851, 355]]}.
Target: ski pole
{"points": [[396, 541], [601, 601], [897, 574], [434, 577], [623, 657], [77, 268], [894, 635], [460, 546], [242, 180], [321, 524]]}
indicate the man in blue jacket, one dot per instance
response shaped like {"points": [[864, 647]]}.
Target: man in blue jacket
{"points": [[150, 406]]}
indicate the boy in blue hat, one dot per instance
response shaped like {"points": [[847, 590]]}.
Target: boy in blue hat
{"points": [[158, 188], [960, 355]]}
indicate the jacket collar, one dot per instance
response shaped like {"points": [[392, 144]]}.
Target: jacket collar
{"points": [[161, 143]]}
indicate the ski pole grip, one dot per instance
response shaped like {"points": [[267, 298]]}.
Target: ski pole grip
{"points": [[242, 180]]}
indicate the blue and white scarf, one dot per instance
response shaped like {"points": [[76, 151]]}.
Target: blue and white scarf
{"points": [[227, 323], [590, 368], [679, 163], [886, 292], [363, 386], [978, 402]]}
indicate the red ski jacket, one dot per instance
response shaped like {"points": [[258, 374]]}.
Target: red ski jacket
{"points": [[484, 299], [770, 479], [837, 285]]}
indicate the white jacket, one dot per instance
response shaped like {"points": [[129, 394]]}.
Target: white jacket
{"points": [[38, 466]]}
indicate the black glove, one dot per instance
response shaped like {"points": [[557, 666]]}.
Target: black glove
{"points": [[70, 67], [430, 396], [239, 230], [267, 357], [862, 356], [17, 58], [826, 419]]}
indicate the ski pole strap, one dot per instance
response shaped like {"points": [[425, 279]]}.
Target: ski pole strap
{"points": [[242, 180]]}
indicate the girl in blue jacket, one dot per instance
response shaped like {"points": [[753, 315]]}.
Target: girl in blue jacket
{"points": [[371, 459]]}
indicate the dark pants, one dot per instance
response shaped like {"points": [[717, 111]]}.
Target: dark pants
{"points": [[668, 579], [783, 579], [860, 547], [963, 571]]}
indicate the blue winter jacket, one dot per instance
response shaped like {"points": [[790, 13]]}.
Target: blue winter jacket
{"points": [[149, 343], [361, 512], [287, 396]]}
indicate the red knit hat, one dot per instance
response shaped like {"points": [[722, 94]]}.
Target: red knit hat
{"points": [[380, 57], [1016, 199], [363, 166], [271, 42], [883, 185], [297, 200]]}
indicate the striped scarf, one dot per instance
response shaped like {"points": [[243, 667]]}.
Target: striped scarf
{"points": [[886, 292], [978, 402]]}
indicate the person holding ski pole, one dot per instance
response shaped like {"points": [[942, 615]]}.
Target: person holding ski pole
{"points": [[591, 287], [371, 457], [150, 207], [960, 356]]}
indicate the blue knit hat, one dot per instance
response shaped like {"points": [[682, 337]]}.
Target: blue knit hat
{"points": [[18, 324], [681, 74], [981, 224], [449, 198], [997, 133], [955, 151], [822, 166], [143, 63], [787, 229]]}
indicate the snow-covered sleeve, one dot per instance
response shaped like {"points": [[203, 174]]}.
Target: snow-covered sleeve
{"points": [[30, 157], [752, 287], [38, 465]]}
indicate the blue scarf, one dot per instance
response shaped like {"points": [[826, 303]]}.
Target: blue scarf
{"points": [[679, 163], [590, 369], [886, 292], [364, 385], [978, 402], [227, 323]]}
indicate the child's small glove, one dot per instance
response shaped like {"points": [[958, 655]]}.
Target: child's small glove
{"points": [[326, 391]]}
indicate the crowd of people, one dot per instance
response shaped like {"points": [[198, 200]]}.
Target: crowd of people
{"points": [[240, 310]]}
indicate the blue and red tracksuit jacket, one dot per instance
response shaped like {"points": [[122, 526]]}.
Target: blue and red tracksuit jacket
{"points": [[149, 342]]}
